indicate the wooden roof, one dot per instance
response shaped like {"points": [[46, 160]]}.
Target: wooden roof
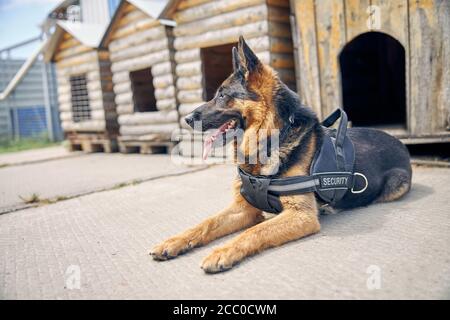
{"points": [[152, 8], [89, 35]]}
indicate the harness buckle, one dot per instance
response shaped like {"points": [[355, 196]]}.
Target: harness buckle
{"points": [[365, 180]]}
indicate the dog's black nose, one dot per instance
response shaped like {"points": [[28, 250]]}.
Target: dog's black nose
{"points": [[191, 118]]}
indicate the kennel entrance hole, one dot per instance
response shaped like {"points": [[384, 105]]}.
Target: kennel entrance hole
{"points": [[216, 66], [373, 80], [143, 90]]}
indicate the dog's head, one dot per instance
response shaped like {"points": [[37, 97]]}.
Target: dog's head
{"points": [[240, 100]]}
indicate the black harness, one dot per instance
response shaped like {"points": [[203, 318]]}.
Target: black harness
{"points": [[331, 175]]}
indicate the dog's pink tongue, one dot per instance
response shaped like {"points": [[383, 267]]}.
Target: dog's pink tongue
{"points": [[207, 145]]}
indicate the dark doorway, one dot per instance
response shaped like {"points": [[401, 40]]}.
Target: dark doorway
{"points": [[143, 91], [217, 66], [373, 80]]}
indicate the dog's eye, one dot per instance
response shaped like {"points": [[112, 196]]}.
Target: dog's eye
{"points": [[221, 95]]}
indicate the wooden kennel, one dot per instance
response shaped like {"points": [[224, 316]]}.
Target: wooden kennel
{"points": [[386, 62], [85, 94], [142, 57]]}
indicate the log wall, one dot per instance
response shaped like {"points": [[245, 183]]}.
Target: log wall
{"points": [[138, 41], [72, 58], [264, 24]]}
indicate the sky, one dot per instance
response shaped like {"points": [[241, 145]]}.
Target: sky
{"points": [[19, 21]]}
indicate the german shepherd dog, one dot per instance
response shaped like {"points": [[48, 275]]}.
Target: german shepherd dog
{"points": [[253, 98]]}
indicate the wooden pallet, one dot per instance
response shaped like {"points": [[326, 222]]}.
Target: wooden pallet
{"points": [[91, 143], [146, 147]]}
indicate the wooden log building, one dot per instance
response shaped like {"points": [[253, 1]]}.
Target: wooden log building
{"points": [[142, 57], [386, 62], [85, 94]]}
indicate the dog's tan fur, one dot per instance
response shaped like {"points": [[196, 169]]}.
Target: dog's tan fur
{"points": [[300, 215], [395, 194]]}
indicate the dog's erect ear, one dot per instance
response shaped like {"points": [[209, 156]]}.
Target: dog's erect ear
{"points": [[248, 60], [236, 61]]}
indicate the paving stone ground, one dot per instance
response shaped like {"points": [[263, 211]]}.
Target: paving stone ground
{"points": [[36, 155], [71, 176], [106, 236]]}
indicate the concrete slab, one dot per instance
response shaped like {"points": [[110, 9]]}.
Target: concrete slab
{"points": [[106, 237], [74, 176], [35, 155]]}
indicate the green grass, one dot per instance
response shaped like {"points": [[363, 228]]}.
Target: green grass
{"points": [[7, 146], [33, 198]]}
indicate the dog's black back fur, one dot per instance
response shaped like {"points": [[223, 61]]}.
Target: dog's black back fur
{"points": [[383, 159]]}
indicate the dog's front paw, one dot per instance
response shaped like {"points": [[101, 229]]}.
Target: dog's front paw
{"points": [[170, 248], [221, 259]]}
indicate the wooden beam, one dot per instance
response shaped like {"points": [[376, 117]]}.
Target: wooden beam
{"points": [[142, 118], [163, 81], [190, 96], [166, 104], [188, 55], [141, 62], [130, 130], [122, 87], [137, 38], [330, 21], [211, 9], [162, 68], [429, 23], [279, 14], [139, 50], [305, 39], [189, 83], [70, 52], [282, 61], [281, 45], [88, 125], [356, 17], [68, 44], [186, 108], [131, 17], [186, 4], [189, 69], [223, 21], [229, 35], [83, 60], [134, 27], [165, 93], [126, 108], [278, 3]]}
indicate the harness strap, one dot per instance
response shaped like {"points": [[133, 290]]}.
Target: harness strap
{"points": [[263, 192], [340, 135], [255, 191]]}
